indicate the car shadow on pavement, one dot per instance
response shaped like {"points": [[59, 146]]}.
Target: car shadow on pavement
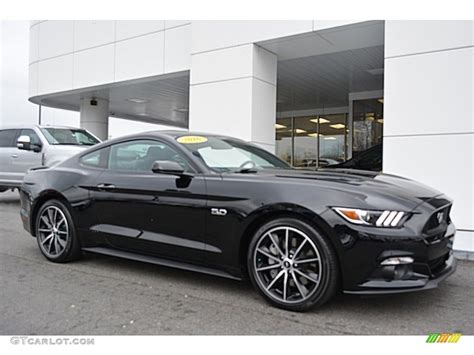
{"points": [[188, 280]]}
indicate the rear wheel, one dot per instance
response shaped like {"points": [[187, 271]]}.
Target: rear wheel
{"points": [[292, 265], [56, 234]]}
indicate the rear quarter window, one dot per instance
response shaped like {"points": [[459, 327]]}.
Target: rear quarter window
{"points": [[96, 159]]}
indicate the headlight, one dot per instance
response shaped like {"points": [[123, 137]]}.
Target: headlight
{"points": [[387, 219]]}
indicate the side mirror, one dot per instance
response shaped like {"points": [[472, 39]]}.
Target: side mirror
{"points": [[167, 167], [24, 143]]}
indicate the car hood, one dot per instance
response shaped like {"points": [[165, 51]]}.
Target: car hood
{"points": [[371, 187], [68, 149]]}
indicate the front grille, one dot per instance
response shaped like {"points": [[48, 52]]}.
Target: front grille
{"points": [[437, 219]]}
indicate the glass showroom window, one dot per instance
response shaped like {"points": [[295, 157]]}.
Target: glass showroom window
{"points": [[305, 142], [333, 139], [312, 141], [368, 124], [283, 139]]}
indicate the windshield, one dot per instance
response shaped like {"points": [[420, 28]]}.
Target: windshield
{"points": [[69, 136], [225, 154]]}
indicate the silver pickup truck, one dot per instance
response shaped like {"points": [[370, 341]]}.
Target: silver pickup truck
{"points": [[25, 147]]}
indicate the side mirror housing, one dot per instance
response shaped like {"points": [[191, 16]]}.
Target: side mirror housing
{"points": [[24, 143], [168, 167]]}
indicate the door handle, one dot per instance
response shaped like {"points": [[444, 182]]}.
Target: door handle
{"points": [[14, 156], [105, 186]]}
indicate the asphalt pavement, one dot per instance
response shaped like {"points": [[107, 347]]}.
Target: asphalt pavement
{"points": [[101, 295]]}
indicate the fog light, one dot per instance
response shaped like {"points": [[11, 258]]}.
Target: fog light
{"points": [[397, 272], [398, 260], [403, 272]]}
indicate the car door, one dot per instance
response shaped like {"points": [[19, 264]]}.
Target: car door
{"points": [[22, 160], [151, 213], [8, 151]]}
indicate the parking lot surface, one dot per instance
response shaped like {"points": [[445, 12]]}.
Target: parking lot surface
{"points": [[100, 295]]}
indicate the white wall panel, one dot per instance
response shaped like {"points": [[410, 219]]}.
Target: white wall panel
{"points": [[139, 57], [263, 113], [210, 35], [408, 37], [55, 74], [94, 66], [240, 78], [429, 93], [223, 64], [445, 162], [34, 44], [264, 65], [230, 111], [129, 29], [175, 23], [55, 38], [464, 240], [178, 49], [33, 79], [324, 24], [94, 33], [234, 62]]}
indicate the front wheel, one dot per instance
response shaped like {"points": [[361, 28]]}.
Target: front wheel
{"points": [[292, 265], [56, 234]]}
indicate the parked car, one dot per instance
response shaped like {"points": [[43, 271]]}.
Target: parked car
{"points": [[224, 207], [22, 148], [370, 159]]}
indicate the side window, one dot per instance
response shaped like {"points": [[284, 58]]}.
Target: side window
{"points": [[7, 137], [33, 136], [140, 155], [96, 159]]}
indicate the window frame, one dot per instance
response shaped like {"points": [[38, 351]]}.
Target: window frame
{"points": [[41, 143], [189, 162], [107, 152]]}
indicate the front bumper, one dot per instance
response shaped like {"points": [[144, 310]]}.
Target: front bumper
{"points": [[363, 252], [416, 283], [25, 209]]}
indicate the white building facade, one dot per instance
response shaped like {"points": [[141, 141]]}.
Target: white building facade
{"points": [[313, 92]]}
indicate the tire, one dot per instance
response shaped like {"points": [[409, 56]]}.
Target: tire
{"points": [[309, 284], [58, 242], [3, 189]]}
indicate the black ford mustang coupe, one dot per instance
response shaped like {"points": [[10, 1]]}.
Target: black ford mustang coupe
{"points": [[221, 206]]}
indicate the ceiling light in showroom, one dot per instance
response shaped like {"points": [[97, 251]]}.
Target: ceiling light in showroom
{"points": [[321, 120], [136, 100]]}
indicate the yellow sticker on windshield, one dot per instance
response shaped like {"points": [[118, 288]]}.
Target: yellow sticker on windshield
{"points": [[191, 139]]}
